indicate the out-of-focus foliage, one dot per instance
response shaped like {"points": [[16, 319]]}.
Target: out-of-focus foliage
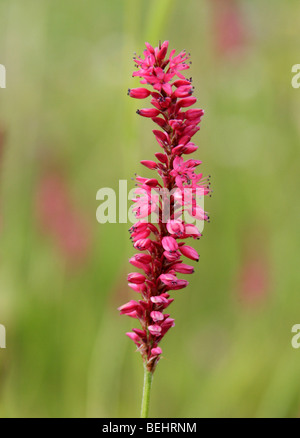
{"points": [[68, 129]]}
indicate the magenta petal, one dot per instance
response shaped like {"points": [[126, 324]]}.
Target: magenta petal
{"points": [[136, 278], [135, 338], [155, 330], [139, 93], [157, 316], [159, 300], [167, 88], [169, 244], [128, 307], [189, 252], [156, 351]]}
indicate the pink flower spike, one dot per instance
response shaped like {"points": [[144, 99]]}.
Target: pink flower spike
{"points": [[161, 245]]}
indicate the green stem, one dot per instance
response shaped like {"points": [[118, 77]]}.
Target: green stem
{"points": [[146, 393]]}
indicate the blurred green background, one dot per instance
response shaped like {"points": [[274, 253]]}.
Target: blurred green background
{"points": [[67, 128]]}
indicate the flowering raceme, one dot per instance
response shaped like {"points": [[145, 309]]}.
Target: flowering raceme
{"points": [[161, 245]]}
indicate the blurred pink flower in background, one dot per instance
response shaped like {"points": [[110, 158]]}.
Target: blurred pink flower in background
{"points": [[59, 218], [254, 280], [229, 27], [254, 277]]}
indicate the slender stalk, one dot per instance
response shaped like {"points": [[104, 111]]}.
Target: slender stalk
{"points": [[148, 376]]}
